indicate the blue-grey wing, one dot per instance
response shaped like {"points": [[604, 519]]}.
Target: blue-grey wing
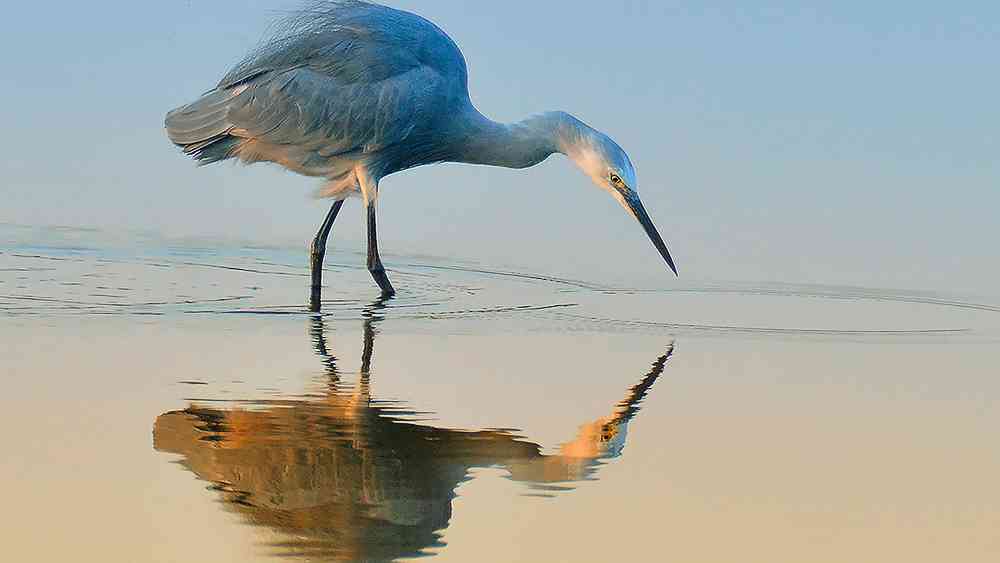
{"points": [[353, 41], [345, 77], [308, 109]]}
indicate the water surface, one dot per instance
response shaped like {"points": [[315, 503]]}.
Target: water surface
{"points": [[170, 401]]}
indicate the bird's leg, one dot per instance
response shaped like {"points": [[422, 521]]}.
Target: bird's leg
{"points": [[316, 254], [374, 262]]}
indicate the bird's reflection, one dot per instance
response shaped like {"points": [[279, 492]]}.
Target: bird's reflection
{"points": [[343, 476]]}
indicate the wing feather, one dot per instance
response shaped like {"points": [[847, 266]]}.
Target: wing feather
{"points": [[344, 77], [303, 107]]}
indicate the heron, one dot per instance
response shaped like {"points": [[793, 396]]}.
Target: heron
{"points": [[351, 91]]}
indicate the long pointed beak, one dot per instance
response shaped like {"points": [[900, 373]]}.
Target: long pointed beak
{"points": [[633, 204]]}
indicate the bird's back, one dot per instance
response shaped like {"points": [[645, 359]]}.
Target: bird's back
{"points": [[340, 81], [353, 41]]}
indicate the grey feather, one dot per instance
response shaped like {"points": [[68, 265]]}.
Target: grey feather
{"points": [[199, 125], [339, 79]]}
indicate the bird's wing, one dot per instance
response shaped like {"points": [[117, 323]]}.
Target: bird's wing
{"points": [[313, 111], [352, 41], [339, 77], [348, 75]]}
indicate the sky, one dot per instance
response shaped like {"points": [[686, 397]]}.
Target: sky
{"points": [[849, 143]]}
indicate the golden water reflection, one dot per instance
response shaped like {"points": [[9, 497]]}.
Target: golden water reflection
{"points": [[342, 475]]}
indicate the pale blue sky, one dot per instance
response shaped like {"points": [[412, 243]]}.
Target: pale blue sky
{"points": [[849, 143]]}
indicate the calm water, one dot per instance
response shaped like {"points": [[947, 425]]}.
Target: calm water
{"points": [[174, 401]]}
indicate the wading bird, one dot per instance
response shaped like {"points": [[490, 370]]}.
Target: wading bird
{"points": [[352, 91]]}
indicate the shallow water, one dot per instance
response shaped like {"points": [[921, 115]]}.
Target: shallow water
{"points": [[171, 401]]}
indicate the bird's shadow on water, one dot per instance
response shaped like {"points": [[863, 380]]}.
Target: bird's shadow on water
{"points": [[343, 475]]}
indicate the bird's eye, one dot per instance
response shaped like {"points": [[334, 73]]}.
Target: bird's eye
{"points": [[616, 181]]}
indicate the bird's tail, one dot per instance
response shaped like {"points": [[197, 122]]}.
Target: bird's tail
{"points": [[202, 127]]}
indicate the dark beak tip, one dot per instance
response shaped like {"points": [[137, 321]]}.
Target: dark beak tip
{"points": [[654, 236], [673, 268]]}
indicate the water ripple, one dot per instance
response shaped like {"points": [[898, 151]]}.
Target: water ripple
{"points": [[85, 280]]}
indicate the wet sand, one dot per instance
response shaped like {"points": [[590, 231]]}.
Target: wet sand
{"points": [[174, 401]]}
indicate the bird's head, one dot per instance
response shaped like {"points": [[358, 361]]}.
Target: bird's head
{"points": [[607, 164]]}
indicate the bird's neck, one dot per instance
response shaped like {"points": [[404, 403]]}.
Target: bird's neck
{"points": [[516, 145]]}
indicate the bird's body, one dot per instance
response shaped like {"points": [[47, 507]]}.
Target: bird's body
{"points": [[351, 92], [347, 84]]}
